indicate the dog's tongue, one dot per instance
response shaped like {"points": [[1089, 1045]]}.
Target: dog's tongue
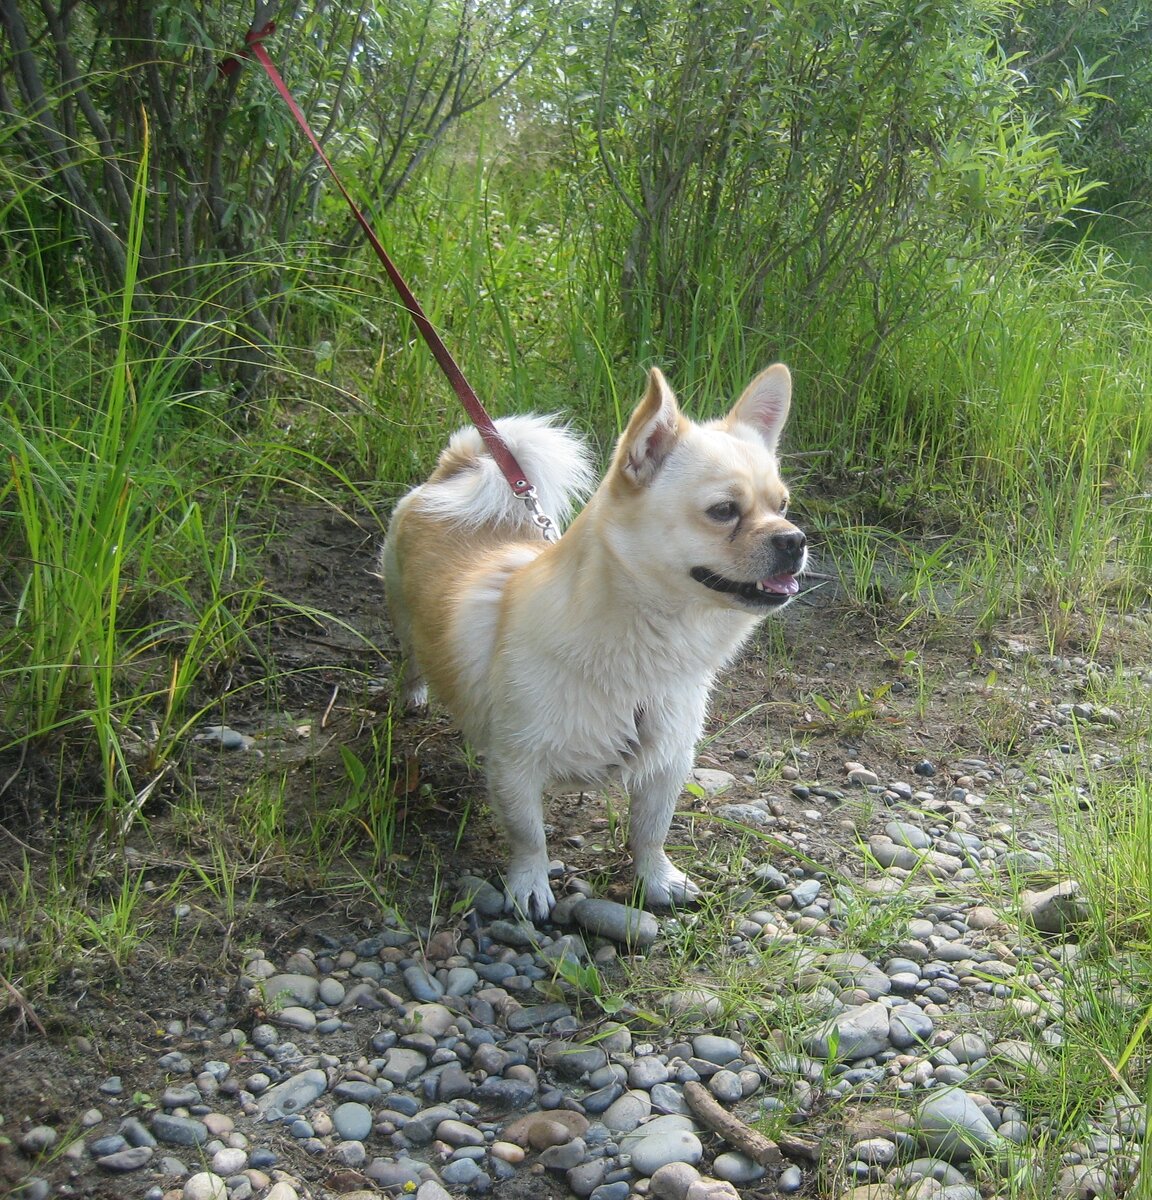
{"points": [[783, 585]]}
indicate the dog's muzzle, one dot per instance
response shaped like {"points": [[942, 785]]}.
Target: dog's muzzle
{"points": [[773, 589]]}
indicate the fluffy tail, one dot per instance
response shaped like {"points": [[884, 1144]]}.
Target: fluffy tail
{"points": [[468, 488]]}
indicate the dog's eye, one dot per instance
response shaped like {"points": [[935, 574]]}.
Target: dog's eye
{"points": [[783, 506], [727, 510]]}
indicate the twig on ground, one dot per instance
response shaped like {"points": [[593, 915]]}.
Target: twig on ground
{"points": [[28, 1011], [758, 1148]]}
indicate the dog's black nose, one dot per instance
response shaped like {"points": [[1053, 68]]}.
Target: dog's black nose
{"points": [[790, 545]]}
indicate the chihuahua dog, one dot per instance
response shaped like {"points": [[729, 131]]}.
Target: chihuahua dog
{"points": [[592, 657]]}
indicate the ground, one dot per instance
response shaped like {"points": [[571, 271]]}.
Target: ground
{"points": [[839, 680]]}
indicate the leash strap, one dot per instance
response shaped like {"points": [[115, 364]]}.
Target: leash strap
{"points": [[497, 447]]}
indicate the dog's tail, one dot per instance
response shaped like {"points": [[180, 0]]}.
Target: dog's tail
{"points": [[468, 488]]}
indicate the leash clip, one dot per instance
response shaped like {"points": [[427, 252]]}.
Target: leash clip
{"points": [[540, 518]]}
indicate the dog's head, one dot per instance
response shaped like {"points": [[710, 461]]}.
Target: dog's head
{"points": [[707, 500]]}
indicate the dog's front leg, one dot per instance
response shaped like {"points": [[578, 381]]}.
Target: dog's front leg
{"points": [[517, 799], [653, 801]]}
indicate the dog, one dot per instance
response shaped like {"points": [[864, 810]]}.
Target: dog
{"points": [[591, 658]]}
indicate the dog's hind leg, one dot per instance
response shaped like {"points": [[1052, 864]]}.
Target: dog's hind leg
{"points": [[653, 801], [414, 690]]}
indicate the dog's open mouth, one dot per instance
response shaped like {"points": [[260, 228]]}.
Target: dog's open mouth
{"points": [[760, 593]]}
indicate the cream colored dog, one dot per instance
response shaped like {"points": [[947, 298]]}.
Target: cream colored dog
{"points": [[591, 658]]}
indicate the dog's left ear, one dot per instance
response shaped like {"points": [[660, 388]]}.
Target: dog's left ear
{"points": [[651, 434], [764, 404]]}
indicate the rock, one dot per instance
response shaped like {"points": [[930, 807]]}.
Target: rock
{"points": [[353, 1121], [564, 1155], [671, 1182], [541, 1129], [909, 1026], [1056, 909], [712, 782], [281, 1190], [968, 1048], [285, 1100], [905, 834], [665, 1146], [178, 1131], [290, 988], [737, 1168], [130, 1159], [860, 1031], [951, 1124], [618, 922], [713, 1049], [401, 1065], [296, 1016], [38, 1139], [573, 1060], [204, 1185], [625, 1114], [431, 1190]]}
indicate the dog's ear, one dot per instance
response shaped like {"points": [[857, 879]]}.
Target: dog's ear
{"points": [[764, 404], [651, 434]]}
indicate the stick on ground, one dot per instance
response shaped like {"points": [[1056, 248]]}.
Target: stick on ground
{"points": [[743, 1137]]}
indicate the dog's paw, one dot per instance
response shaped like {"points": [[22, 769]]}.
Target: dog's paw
{"points": [[666, 886], [415, 696], [529, 895]]}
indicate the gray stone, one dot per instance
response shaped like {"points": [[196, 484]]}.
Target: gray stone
{"points": [[462, 1172], [131, 1159], [951, 1124], [205, 1185], [620, 1189], [38, 1139], [353, 1121], [671, 1182], [714, 1049], [295, 1016], [572, 1060], [421, 984], [1028, 862], [564, 1156], [905, 834], [726, 1086], [331, 992], [669, 1098], [537, 1016], [968, 1047], [665, 1146], [178, 1131], [402, 1065], [285, 1100], [401, 1175], [349, 1153], [737, 1168], [645, 1073], [791, 1180], [1056, 909], [626, 1113], [291, 988], [461, 981], [618, 922], [860, 1031], [909, 1026]]}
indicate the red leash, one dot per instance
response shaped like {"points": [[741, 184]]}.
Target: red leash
{"points": [[497, 447]]}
